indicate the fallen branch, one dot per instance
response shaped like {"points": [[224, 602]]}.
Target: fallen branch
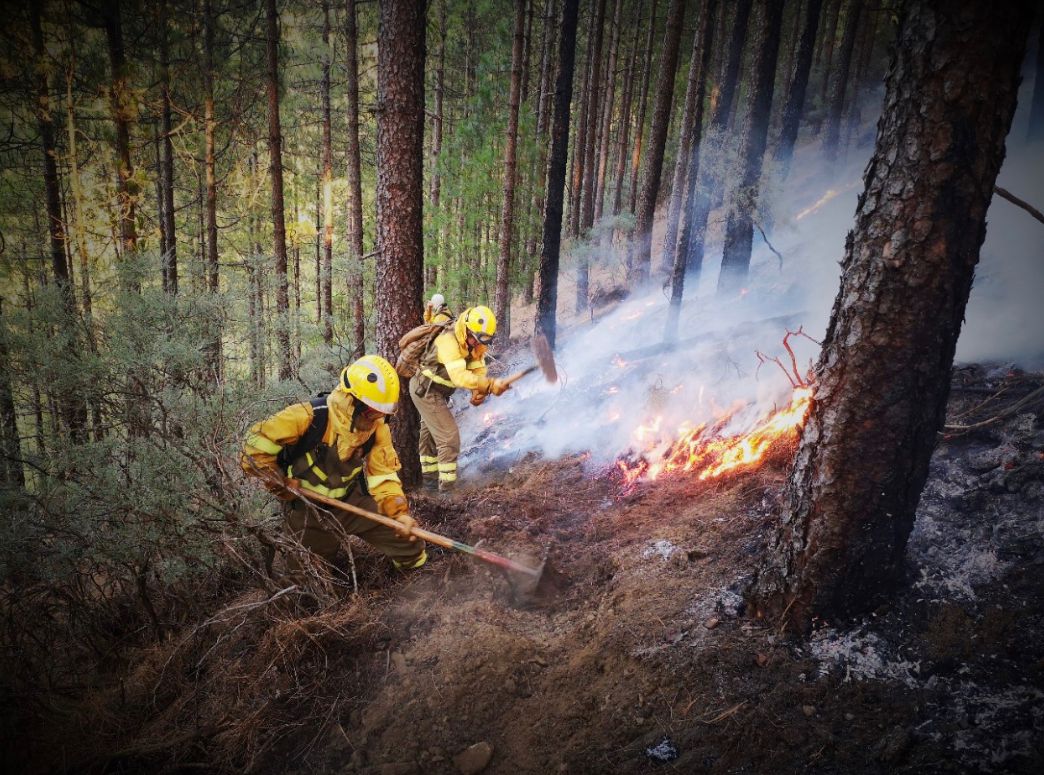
{"points": [[1003, 193], [725, 714], [1008, 412], [770, 247]]}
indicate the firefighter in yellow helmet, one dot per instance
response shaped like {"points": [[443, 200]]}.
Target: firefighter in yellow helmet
{"points": [[339, 446], [455, 359], [437, 310]]}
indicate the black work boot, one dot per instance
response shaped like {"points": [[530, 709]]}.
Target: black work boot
{"points": [[446, 487], [430, 482]]}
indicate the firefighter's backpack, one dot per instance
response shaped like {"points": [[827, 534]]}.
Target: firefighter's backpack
{"points": [[413, 344]]}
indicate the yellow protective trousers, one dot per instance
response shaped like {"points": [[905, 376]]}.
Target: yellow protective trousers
{"points": [[439, 436]]}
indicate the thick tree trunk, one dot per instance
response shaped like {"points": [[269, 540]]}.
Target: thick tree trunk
{"points": [[641, 244], [275, 151], [328, 221], [355, 217], [643, 101], [594, 94], [580, 143], [798, 86], [694, 93], [1036, 124], [832, 140], [828, 40], [883, 376], [739, 227], [502, 304], [547, 299], [702, 51], [698, 207], [400, 172]]}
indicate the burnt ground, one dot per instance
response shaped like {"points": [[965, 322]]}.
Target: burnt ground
{"points": [[643, 660]]}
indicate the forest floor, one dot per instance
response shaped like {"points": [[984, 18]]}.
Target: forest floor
{"points": [[643, 660]]}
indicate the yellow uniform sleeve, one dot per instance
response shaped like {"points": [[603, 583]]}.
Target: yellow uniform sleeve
{"points": [[461, 374], [266, 439], [382, 466], [427, 313]]}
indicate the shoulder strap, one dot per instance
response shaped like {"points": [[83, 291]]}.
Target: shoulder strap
{"points": [[311, 438]]}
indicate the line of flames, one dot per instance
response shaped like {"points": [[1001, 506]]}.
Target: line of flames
{"points": [[709, 452]]}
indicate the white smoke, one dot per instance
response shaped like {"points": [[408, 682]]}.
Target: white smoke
{"points": [[620, 392]]}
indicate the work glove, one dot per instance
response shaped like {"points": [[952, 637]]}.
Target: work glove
{"points": [[478, 397], [395, 506], [498, 387]]}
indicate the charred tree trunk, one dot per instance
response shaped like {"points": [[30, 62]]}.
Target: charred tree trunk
{"points": [[275, 151], [355, 218], [170, 253], [698, 207], [507, 213], [594, 95], [547, 299], [643, 100], [690, 132], [828, 42], [739, 228], [883, 376], [328, 225], [798, 86], [72, 406], [400, 175], [703, 48], [832, 140], [641, 245]]}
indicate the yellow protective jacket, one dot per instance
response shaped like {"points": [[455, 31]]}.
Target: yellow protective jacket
{"points": [[448, 364], [441, 315], [332, 468]]}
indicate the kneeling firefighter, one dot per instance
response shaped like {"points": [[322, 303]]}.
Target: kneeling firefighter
{"points": [[339, 445], [454, 359]]}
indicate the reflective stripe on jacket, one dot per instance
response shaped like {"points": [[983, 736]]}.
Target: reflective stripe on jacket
{"points": [[331, 468], [448, 364]]}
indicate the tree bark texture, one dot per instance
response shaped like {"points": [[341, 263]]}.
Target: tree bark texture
{"points": [[625, 113], [275, 152], [643, 101], [825, 55], [832, 139], [694, 92], [641, 244], [400, 180], [594, 88], [123, 110], [507, 214], [883, 376], [580, 143], [703, 54], [170, 254], [607, 113], [698, 207], [798, 87], [739, 227], [328, 220], [547, 300], [355, 218], [213, 346]]}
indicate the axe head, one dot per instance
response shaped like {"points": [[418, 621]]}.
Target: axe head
{"points": [[545, 358]]}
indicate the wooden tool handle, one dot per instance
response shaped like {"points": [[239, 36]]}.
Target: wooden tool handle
{"points": [[516, 377]]}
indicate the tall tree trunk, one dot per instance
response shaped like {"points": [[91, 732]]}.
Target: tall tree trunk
{"points": [[214, 345], [328, 221], [607, 113], [883, 376], [507, 213], [275, 152], [121, 102], [698, 207], [580, 144], [798, 86], [355, 218], [527, 45], [400, 171], [72, 406], [625, 112], [739, 227], [170, 254], [643, 100], [832, 140], [543, 111], [680, 270], [825, 55], [1036, 124], [641, 246], [547, 299], [591, 152], [694, 92]]}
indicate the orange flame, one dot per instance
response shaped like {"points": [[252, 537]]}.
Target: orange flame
{"points": [[708, 453]]}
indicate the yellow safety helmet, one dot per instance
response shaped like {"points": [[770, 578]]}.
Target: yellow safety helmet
{"points": [[481, 322], [372, 380]]}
